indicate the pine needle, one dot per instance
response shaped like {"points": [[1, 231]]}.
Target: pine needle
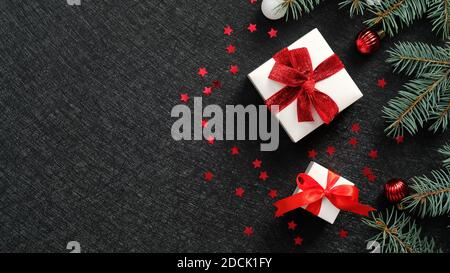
{"points": [[397, 233]]}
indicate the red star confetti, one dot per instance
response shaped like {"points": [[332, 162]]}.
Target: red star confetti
{"points": [[353, 141], [216, 84], [367, 171], [263, 175], [204, 123], [207, 91], [234, 150], [256, 163], [381, 83], [202, 72], [343, 233], [356, 128], [292, 225], [234, 69], [227, 30], [272, 33], [400, 139], [371, 177], [239, 192], [312, 154], [331, 150], [231, 49], [208, 176], [373, 154], [248, 231], [184, 97], [211, 140], [251, 27], [253, 1], [298, 241], [273, 194]]}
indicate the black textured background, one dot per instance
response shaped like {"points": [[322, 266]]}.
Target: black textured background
{"points": [[85, 146]]}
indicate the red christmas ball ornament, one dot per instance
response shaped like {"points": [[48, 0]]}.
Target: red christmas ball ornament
{"points": [[368, 41], [395, 190]]}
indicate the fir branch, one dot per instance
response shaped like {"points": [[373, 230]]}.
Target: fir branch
{"points": [[399, 234], [356, 6], [411, 109], [431, 196], [418, 58], [439, 13], [394, 14], [441, 114], [297, 7], [446, 152]]}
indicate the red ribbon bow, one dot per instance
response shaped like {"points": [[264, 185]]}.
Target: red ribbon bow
{"points": [[294, 69], [344, 197]]}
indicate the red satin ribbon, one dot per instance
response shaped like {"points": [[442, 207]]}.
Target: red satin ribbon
{"points": [[294, 69], [344, 197]]}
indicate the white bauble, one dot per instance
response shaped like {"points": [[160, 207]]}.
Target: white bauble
{"points": [[272, 9]]}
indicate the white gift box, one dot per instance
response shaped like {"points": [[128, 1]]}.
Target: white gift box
{"points": [[328, 211], [340, 86]]}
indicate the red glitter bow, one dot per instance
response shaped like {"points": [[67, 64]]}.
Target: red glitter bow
{"points": [[294, 69], [344, 197]]}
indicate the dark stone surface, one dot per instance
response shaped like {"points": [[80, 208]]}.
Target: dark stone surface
{"points": [[85, 146]]}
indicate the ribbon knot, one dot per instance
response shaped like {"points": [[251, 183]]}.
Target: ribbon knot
{"points": [[294, 69], [344, 197]]}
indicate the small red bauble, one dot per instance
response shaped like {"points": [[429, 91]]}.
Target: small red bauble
{"points": [[368, 41], [395, 190]]}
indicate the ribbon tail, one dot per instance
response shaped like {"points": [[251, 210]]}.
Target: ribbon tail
{"points": [[304, 108], [295, 201], [314, 208], [359, 208], [325, 106], [282, 98]]}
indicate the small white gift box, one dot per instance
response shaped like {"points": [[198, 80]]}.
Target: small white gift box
{"points": [[328, 211], [339, 86]]}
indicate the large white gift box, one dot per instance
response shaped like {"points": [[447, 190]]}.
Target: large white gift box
{"points": [[328, 211], [339, 86]]}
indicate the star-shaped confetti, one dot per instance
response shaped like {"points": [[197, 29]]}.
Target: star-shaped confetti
{"points": [[207, 91], [273, 193], [367, 171], [272, 33], [202, 71], [371, 177], [343, 233], [231, 49], [239, 192], [211, 140], [263, 175], [400, 139], [234, 150], [227, 30], [373, 154], [381, 83], [248, 231], [216, 84], [356, 128], [331, 150], [184, 97], [312, 154], [298, 241], [234, 69], [256, 163], [292, 225], [353, 141], [251, 27], [208, 176], [253, 1], [204, 123]]}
